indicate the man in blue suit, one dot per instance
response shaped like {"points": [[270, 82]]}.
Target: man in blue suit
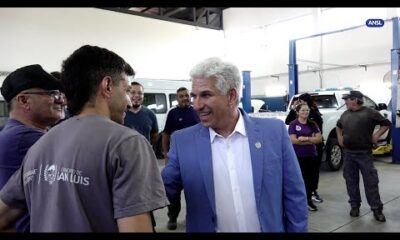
{"points": [[238, 173]]}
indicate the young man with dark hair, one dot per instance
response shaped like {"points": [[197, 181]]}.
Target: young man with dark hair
{"points": [[101, 177], [139, 117]]}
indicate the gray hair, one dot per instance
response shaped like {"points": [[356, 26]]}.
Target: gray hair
{"points": [[226, 74]]}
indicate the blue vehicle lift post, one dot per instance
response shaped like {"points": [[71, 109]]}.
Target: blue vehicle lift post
{"points": [[293, 72], [395, 54], [246, 100]]}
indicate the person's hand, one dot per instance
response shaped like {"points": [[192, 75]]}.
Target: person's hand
{"points": [[375, 139], [165, 158], [303, 139]]}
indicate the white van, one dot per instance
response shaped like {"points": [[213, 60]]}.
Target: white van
{"points": [[3, 112], [160, 96]]}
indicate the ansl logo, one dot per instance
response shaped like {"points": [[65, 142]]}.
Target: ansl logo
{"points": [[375, 22]]}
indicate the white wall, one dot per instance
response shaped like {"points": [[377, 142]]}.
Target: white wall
{"points": [[154, 48], [257, 39]]}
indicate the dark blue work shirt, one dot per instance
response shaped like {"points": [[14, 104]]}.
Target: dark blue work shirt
{"points": [[144, 121], [179, 118], [15, 140]]}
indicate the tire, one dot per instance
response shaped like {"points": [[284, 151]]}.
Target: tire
{"points": [[334, 154]]}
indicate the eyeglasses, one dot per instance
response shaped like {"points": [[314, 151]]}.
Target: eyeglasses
{"points": [[55, 94]]}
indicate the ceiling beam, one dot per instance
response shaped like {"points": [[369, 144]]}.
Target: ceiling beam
{"points": [[174, 11], [145, 9]]}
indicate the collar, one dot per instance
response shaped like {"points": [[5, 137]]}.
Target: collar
{"points": [[239, 128]]}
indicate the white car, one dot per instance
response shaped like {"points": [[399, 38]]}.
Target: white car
{"points": [[331, 105]]}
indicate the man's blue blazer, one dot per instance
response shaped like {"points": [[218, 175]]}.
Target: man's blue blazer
{"points": [[278, 184]]}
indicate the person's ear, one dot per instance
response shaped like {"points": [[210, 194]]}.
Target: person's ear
{"points": [[106, 86], [22, 100], [232, 96]]}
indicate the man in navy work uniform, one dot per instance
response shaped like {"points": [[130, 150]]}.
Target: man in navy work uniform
{"points": [[35, 104], [180, 117], [355, 132], [139, 117], [101, 177], [238, 173]]}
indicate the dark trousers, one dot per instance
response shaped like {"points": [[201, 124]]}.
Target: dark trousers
{"points": [[309, 171], [320, 150], [354, 163], [173, 209]]}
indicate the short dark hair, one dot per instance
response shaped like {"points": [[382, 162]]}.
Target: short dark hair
{"points": [[136, 83], [181, 89], [83, 70], [307, 98]]}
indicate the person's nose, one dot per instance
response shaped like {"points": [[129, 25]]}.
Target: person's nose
{"points": [[60, 100], [128, 102], [197, 103]]}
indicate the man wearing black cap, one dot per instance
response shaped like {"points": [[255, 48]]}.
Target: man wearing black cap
{"points": [[355, 132], [35, 103]]}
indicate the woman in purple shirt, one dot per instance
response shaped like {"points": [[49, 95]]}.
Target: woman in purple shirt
{"points": [[305, 134]]}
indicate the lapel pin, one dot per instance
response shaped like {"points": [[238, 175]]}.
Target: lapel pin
{"points": [[258, 145]]}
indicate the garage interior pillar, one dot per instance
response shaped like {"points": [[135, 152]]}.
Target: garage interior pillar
{"points": [[395, 55], [293, 71], [246, 99]]}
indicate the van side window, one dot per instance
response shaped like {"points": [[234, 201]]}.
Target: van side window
{"points": [[157, 102], [3, 113], [369, 103], [326, 101], [3, 109], [172, 100]]}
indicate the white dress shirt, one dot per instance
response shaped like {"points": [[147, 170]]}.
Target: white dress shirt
{"points": [[233, 181]]}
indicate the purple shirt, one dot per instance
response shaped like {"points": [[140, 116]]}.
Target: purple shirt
{"points": [[15, 140], [299, 129]]}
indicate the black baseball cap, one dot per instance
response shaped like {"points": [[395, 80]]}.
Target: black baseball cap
{"points": [[353, 94], [32, 76]]}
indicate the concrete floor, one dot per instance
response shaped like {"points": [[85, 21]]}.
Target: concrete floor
{"points": [[333, 213]]}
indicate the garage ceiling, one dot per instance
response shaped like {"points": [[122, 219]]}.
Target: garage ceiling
{"points": [[198, 16]]}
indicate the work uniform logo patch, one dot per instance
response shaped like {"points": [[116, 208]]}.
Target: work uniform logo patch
{"points": [[50, 173]]}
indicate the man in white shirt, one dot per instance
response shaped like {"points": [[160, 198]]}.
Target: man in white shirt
{"points": [[239, 174]]}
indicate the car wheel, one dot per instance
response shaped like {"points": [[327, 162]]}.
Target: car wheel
{"points": [[334, 154]]}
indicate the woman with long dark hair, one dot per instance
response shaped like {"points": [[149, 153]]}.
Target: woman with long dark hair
{"points": [[316, 116], [305, 135]]}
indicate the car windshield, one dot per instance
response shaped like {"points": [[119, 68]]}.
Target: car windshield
{"points": [[325, 101], [322, 101]]}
